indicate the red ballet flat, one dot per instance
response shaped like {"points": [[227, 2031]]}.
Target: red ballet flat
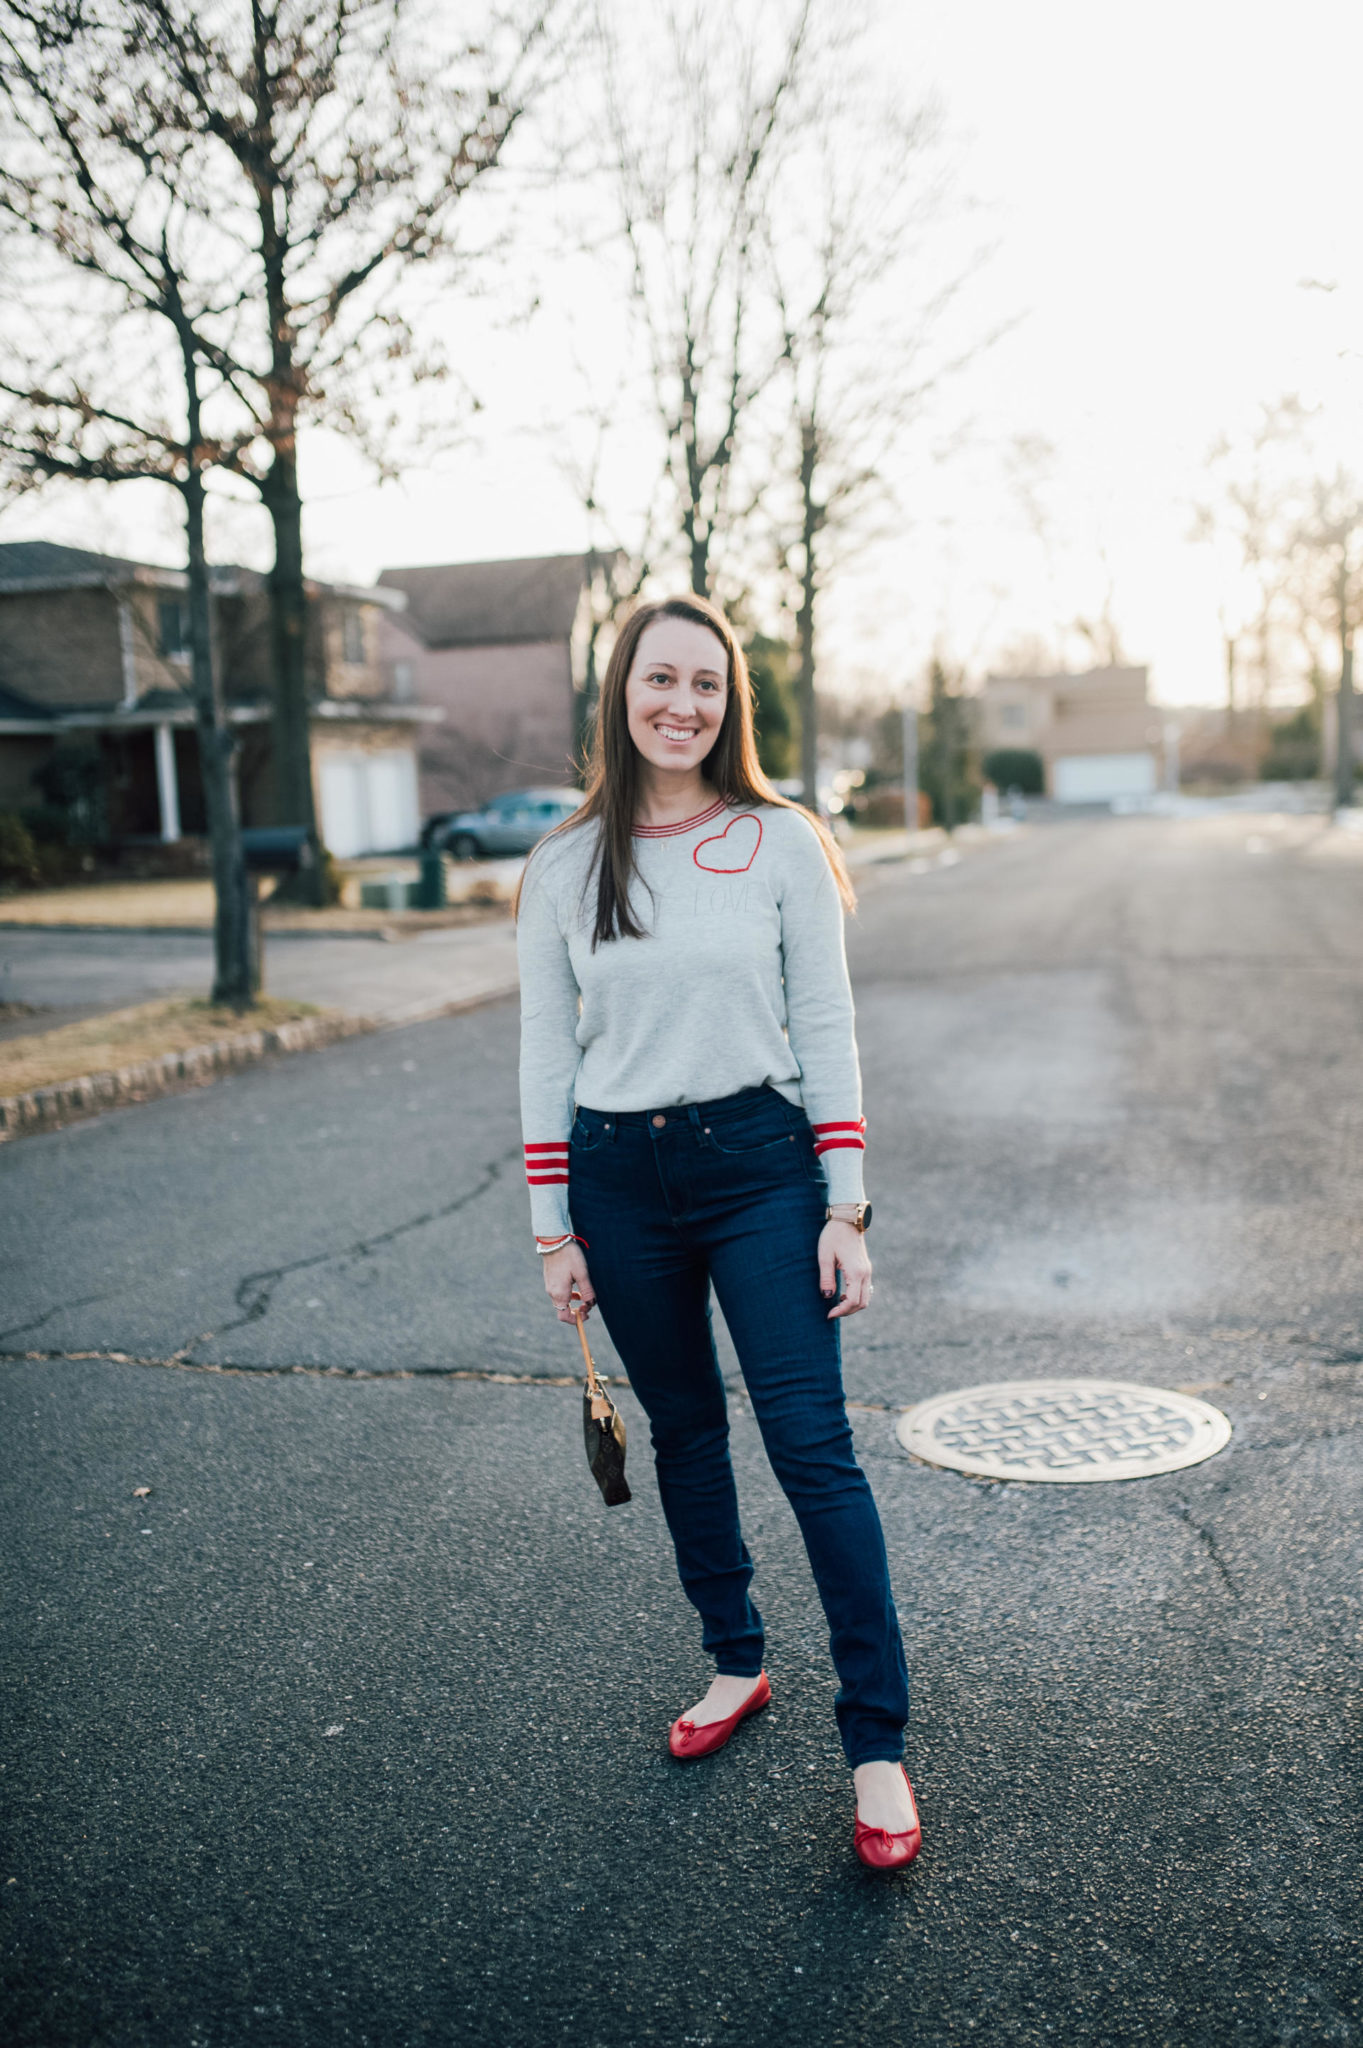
{"points": [[687, 1741], [880, 1850]]}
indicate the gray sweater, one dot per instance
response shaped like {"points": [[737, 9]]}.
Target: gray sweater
{"points": [[740, 980]]}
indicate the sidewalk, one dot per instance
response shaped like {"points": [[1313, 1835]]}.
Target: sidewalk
{"points": [[61, 972], [426, 975]]}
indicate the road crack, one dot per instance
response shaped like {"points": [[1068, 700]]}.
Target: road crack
{"points": [[61, 1308], [178, 1362], [1208, 1542], [254, 1292]]}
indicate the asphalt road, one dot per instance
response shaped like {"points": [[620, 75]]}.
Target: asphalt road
{"points": [[1116, 1127]]}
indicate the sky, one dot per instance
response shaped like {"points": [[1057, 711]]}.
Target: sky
{"points": [[1171, 197]]}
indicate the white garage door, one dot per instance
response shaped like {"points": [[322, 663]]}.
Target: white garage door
{"points": [[1100, 778], [368, 802]]}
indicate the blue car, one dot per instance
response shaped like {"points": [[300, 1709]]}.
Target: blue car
{"points": [[510, 824]]}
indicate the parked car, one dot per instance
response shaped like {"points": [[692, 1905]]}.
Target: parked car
{"points": [[510, 824], [433, 830]]}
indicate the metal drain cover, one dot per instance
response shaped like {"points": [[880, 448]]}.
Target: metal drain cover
{"points": [[1064, 1431]]}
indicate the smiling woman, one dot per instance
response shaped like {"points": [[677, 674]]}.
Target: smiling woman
{"points": [[691, 1104]]}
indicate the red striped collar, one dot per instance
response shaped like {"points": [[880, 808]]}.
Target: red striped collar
{"points": [[686, 825]]}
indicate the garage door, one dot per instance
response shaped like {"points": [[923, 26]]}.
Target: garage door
{"points": [[1101, 778], [368, 802]]}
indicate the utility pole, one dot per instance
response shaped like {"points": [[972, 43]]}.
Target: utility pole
{"points": [[1344, 719]]}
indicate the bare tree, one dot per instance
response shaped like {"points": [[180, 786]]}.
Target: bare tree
{"points": [[1099, 631], [339, 146], [1292, 518], [697, 119], [1329, 547], [862, 299], [74, 188], [1254, 508], [617, 567]]}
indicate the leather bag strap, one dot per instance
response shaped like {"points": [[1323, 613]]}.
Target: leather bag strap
{"points": [[601, 1405]]}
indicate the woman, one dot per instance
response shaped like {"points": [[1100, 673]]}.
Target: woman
{"points": [[691, 1105]]}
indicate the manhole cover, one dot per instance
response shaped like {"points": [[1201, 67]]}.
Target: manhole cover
{"points": [[1063, 1430]]}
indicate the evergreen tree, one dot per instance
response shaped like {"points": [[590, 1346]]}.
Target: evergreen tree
{"points": [[946, 756], [770, 663]]}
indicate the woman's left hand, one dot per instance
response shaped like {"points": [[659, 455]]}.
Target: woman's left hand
{"points": [[843, 1247]]}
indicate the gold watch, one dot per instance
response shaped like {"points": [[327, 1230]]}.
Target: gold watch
{"points": [[860, 1219]]}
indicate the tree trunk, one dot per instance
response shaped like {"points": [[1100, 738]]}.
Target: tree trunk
{"points": [[235, 971], [809, 710], [288, 647], [696, 535], [909, 744], [700, 561], [280, 493], [236, 968]]}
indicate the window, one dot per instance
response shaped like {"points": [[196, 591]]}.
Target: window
{"points": [[352, 635], [404, 681], [172, 629], [1013, 717]]}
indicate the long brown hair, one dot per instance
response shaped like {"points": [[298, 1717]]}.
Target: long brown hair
{"points": [[731, 767]]}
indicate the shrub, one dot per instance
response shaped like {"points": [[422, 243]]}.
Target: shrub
{"points": [[770, 666], [1017, 768], [947, 763], [74, 781], [879, 809], [18, 854], [1294, 748], [331, 880]]}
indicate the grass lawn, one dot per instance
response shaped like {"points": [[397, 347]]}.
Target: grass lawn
{"points": [[187, 905], [176, 904], [175, 1024]]}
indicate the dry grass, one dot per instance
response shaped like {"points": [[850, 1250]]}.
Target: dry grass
{"points": [[96, 1044], [187, 905], [176, 903]]}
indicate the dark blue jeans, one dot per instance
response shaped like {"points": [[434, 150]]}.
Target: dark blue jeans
{"points": [[730, 1193]]}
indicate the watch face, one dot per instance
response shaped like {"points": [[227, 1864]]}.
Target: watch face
{"points": [[865, 1215]]}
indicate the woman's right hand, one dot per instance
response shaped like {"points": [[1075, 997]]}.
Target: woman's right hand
{"points": [[569, 1283]]}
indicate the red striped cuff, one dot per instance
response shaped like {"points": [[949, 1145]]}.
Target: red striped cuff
{"points": [[546, 1166], [839, 1136]]}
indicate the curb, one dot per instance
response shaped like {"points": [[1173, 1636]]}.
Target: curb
{"points": [[49, 1109]]}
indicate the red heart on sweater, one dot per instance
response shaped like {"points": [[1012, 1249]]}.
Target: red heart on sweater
{"points": [[732, 857]]}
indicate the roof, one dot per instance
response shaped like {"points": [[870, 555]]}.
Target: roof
{"points": [[478, 604], [43, 565], [31, 565]]}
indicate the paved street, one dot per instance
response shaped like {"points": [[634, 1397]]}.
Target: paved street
{"points": [[1116, 1128]]}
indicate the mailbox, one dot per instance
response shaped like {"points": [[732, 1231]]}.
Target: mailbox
{"points": [[278, 849]]}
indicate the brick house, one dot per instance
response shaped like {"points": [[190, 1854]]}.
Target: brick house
{"points": [[94, 664], [502, 649], [1097, 733]]}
